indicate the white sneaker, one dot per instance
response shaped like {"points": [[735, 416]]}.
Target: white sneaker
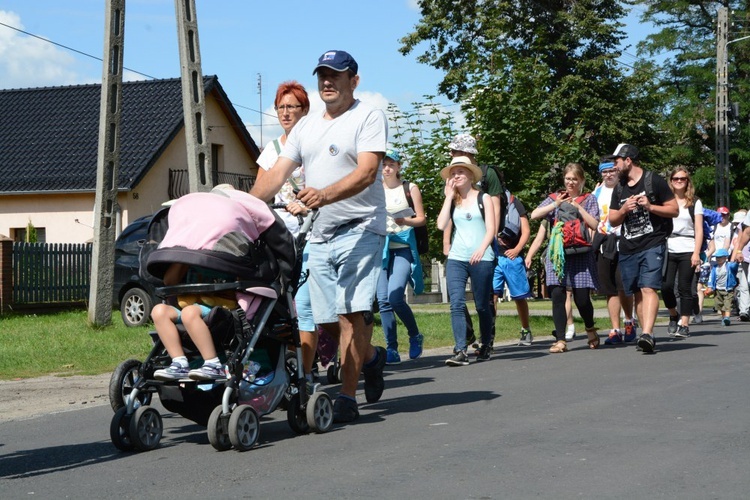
{"points": [[697, 319], [570, 332]]}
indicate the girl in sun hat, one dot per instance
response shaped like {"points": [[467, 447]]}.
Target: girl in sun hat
{"points": [[471, 253]]}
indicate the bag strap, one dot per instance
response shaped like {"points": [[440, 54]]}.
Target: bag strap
{"points": [[277, 146]]}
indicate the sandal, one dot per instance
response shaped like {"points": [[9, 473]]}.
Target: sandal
{"points": [[559, 346], [593, 337]]}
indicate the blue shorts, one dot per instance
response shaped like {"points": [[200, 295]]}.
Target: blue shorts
{"points": [[344, 273], [512, 273], [302, 299], [204, 312], [642, 269]]}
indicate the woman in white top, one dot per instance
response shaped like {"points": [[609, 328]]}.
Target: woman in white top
{"points": [[471, 254], [401, 264], [683, 252]]}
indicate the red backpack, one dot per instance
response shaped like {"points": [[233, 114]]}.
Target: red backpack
{"points": [[575, 233]]}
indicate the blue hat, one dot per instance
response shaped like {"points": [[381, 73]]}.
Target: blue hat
{"points": [[721, 252], [606, 165], [394, 155], [337, 60]]}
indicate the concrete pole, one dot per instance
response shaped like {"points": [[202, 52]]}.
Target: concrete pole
{"points": [[722, 105], [107, 167], [193, 103]]}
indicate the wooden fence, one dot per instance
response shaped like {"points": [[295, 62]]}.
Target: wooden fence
{"points": [[51, 272]]}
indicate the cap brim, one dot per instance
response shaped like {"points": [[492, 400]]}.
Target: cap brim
{"points": [[329, 67]]}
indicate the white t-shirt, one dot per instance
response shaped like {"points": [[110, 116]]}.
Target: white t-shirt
{"points": [[329, 149], [682, 239], [603, 197], [286, 194], [722, 234]]}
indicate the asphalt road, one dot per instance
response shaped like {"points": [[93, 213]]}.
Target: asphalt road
{"points": [[612, 423]]}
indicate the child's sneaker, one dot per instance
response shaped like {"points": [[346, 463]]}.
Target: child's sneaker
{"points": [[415, 346], [727, 321], [682, 332], [570, 333], [526, 337], [630, 332], [673, 325], [392, 357], [614, 338], [175, 371], [208, 372]]}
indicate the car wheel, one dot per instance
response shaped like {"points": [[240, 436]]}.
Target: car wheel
{"points": [[135, 307]]}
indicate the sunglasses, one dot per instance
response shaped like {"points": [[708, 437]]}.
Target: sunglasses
{"points": [[679, 179]]}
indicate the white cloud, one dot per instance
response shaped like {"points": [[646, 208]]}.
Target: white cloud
{"points": [[26, 61]]}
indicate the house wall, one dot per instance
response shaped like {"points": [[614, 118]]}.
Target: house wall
{"points": [[58, 213]]}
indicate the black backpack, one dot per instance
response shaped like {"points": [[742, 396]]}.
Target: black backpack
{"points": [[504, 201], [423, 238]]}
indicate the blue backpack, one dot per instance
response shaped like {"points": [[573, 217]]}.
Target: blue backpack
{"points": [[710, 219]]}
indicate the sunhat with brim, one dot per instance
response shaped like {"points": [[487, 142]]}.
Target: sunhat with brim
{"points": [[739, 216], [462, 161]]}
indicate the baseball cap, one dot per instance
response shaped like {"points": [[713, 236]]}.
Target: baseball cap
{"points": [[464, 143], [723, 210], [721, 252], [625, 151], [394, 155], [337, 60], [739, 216]]}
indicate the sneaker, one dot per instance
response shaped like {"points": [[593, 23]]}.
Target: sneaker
{"points": [[208, 372], [392, 357], [683, 332], [614, 338], [415, 346], [630, 332], [672, 328], [526, 337], [744, 316], [570, 333], [458, 359], [646, 343], [374, 383], [345, 410], [484, 353], [727, 321], [697, 319], [175, 371]]}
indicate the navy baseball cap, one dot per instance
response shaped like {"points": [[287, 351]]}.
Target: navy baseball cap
{"points": [[337, 60]]}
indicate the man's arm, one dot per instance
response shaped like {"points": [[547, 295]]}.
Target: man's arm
{"points": [[364, 175], [269, 183], [741, 242]]}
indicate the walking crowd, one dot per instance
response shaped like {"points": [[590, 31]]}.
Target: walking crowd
{"points": [[633, 235]]}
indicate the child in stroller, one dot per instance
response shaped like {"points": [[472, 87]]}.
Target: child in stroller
{"points": [[233, 233]]}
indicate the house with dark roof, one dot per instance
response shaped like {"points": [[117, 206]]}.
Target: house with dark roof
{"points": [[49, 144]]}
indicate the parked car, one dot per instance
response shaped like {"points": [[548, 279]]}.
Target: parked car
{"points": [[132, 294]]}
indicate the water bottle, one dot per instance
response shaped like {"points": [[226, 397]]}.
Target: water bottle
{"points": [[252, 368]]}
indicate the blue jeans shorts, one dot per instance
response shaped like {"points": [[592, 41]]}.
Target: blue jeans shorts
{"points": [[344, 273], [302, 298], [642, 269], [512, 273], [204, 312]]}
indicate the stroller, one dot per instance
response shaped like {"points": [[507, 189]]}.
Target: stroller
{"points": [[234, 233]]}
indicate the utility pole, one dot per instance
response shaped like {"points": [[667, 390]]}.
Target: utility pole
{"points": [[722, 106], [193, 99], [260, 107], [107, 167]]}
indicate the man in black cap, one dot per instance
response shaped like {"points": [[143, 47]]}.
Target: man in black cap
{"points": [[342, 149], [645, 206]]}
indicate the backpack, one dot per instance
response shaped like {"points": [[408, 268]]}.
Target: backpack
{"points": [[504, 194], [648, 182], [576, 237], [710, 219], [423, 239], [510, 232]]}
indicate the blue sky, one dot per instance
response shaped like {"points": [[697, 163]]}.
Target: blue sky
{"points": [[239, 39]]}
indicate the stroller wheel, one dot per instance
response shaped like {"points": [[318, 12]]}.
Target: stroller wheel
{"points": [[244, 427], [320, 412], [119, 430], [296, 416], [218, 430], [121, 385], [333, 374], [146, 428]]}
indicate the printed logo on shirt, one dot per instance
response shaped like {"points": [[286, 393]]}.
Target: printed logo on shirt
{"points": [[333, 150], [638, 222]]}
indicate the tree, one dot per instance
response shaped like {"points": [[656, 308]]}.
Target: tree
{"points": [[539, 82], [31, 236], [687, 83]]}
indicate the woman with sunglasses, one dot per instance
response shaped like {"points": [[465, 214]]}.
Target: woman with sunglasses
{"points": [[683, 253]]}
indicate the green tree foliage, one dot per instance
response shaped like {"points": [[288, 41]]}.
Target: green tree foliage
{"points": [[31, 236], [539, 82], [687, 85]]}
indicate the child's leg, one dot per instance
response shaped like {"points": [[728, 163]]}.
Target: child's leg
{"points": [[192, 318], [164, 317]]}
